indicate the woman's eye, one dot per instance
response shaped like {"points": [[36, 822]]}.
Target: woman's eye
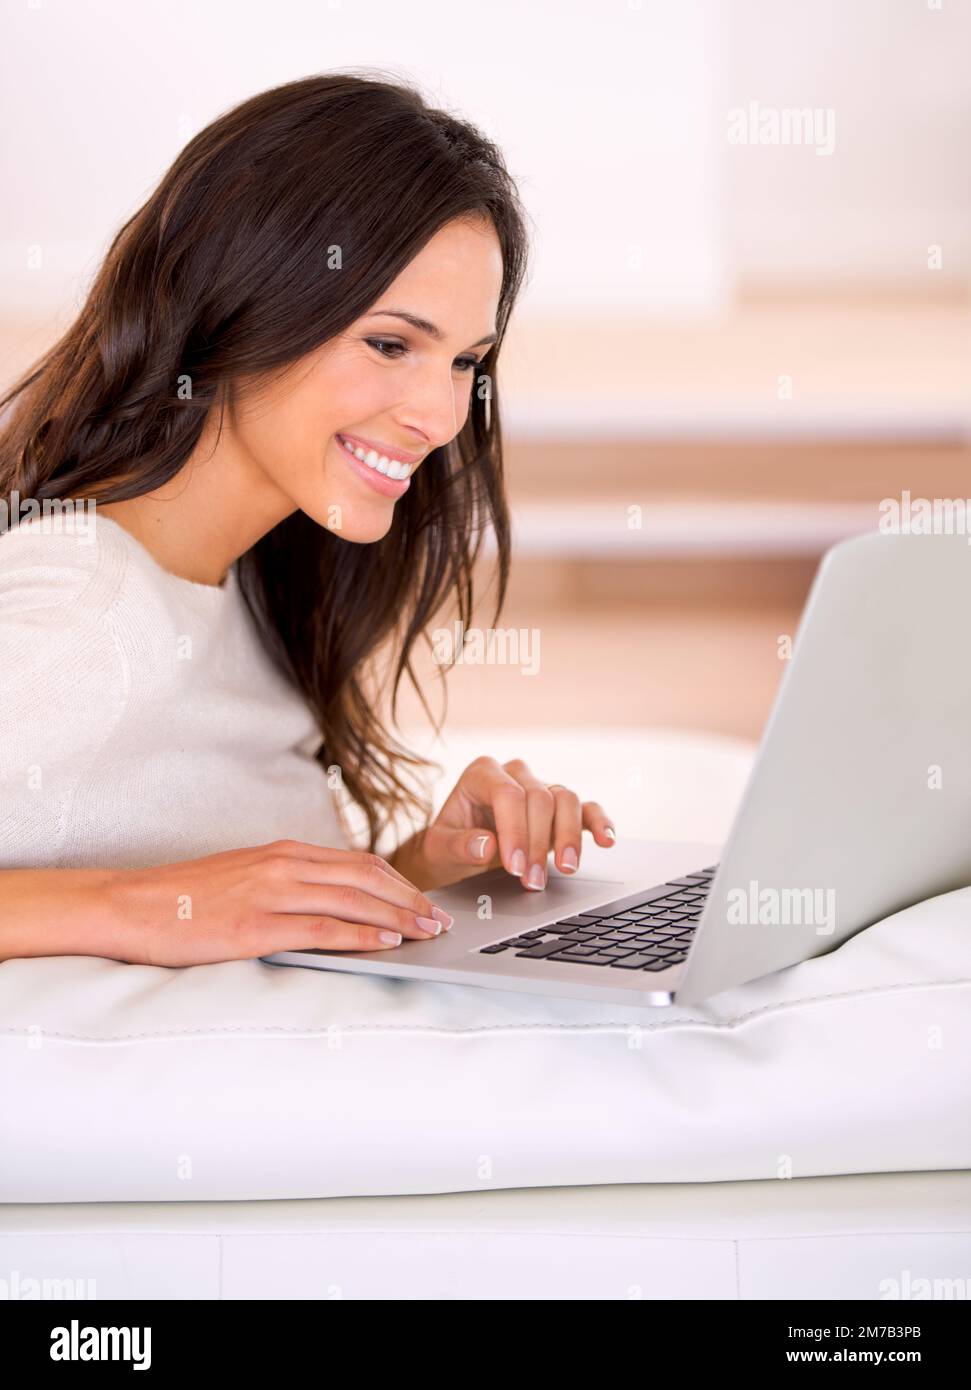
{"points": [[385, 347], [388, 348]]}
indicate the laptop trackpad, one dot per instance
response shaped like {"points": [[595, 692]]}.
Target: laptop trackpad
{"points": [[561, 897]]}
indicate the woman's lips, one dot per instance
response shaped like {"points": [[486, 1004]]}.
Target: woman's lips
{"points": [[387, 450], [387, 487]]}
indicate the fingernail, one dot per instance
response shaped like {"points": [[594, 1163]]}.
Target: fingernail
{"points": [[429, 924], [610, 833], [517, 864], [479, 846], [570, 860], [442, 916], [390, 938], [537, 877]]}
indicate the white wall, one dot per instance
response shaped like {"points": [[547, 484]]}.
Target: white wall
{"points": [[897, 75], [101, 96], [611, 114]]}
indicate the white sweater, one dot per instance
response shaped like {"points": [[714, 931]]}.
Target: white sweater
{"points": [[141, 720]]}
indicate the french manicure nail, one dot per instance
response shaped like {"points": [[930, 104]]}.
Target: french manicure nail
{"points": [[517, 864], [570, 860], [390, 938], [442, 916], [537, 877], [479, 846], [429, 924], [610, 832]]}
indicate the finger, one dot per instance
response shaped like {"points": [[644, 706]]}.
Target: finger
{"points": [[325, 854], [490, 785], [476, 846], [540, 806], [281, 931], [596, 820], [366, 873], [345, 903], [567, 829]]}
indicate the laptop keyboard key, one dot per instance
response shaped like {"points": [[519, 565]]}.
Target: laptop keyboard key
{"points": [[594, 959], [543, 948], [637, 961]]}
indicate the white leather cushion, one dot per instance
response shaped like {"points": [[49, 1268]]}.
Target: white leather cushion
{"points": [[248, 1080], [869, 1236]]}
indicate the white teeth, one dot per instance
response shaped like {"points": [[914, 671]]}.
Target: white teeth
{"points": [[391, 468]]}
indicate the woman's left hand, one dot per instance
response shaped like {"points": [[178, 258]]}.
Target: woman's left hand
{"points": [[502, 816]]}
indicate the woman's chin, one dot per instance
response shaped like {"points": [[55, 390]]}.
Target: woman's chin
{"points": [[352, 521]]}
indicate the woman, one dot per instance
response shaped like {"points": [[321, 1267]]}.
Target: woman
{"points": [[267, 402]]}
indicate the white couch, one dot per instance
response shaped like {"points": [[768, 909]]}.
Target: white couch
{"points": [[245, 1130]]}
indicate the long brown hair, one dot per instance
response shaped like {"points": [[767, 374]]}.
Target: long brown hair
{"points": [[222, 273]]}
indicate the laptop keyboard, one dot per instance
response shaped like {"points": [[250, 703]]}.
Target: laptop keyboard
{"points": [[649, 930]]}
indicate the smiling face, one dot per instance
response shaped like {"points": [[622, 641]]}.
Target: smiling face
{"points": [[340, 436]]}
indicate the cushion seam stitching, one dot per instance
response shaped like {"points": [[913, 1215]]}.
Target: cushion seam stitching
{"points": [[619, 1025]]}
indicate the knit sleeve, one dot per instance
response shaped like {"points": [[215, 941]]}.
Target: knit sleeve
{"points": [[64, 685]]}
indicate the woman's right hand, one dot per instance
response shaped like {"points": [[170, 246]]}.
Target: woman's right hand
{"points": [[284, 896]]}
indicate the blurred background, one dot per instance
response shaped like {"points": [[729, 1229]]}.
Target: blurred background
{"points": [[748, 319]]}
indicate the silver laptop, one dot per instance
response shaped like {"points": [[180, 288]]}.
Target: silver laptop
{"points": [[859, 804]]}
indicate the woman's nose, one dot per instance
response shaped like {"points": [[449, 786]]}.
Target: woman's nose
{"points": [[437, 406]]}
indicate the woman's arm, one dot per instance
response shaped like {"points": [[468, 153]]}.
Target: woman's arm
{"points": [[230, 906], [409, 859], [56, 912]]}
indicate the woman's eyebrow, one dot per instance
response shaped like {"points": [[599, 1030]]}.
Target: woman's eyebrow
{"points": [[423, 325]]}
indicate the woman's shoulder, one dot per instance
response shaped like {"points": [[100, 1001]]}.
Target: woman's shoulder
{"points": [[50, 564], [61, 660]]}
